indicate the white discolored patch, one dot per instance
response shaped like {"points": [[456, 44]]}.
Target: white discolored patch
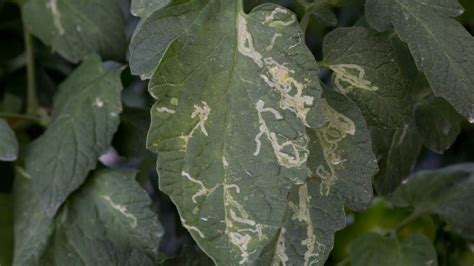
{"points": [[272, 43], [281, 258], [53, 5], [165, 110], [336, 127], [203, 113], [277, 76], [275, 18], [123, 210], [174, 101], [192, 228], [98, 103], [314, 249], [203, 191], [353, 76], [224, 161], [299, 151], [240, 229]]}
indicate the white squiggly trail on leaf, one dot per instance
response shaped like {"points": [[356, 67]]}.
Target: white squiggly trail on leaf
{"points": [[272, 43], [165, 110], [353, 75], [281, 258], [336, 127], [123, 210], [192, 228], [273, 21], [203, 191], [277, 76], [53, 5], [240, 229], [202, 112], [299, 152], [314, 249]]}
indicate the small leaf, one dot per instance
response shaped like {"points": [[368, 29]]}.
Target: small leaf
{"points": [[443, 49], [375, 250], [85, 117], [76, 29], [438, 123], [108, 221], [448, 192], [341, 152], [8, 142], [235, 93], [397, 151], [374, 72]]}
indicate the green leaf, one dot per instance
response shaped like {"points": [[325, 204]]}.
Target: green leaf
{"points": [[447, 192], [373, 249], [129, 140], [320, 10], [343, 165], [8, 142], [374, 71], [438, 123], [142, 8], [235, 93], [6, 229], [397, 151], [76, 29], [341, 152], [108, 221], [85, 117], [442, 48]]}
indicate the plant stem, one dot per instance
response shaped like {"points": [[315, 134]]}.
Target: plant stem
{"points": [[23, 117], [31, 97], [412, 217]]}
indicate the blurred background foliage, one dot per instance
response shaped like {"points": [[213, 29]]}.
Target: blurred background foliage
{"points": [[129, 150]]}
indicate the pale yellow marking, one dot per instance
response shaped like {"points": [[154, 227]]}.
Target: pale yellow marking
{"points": [[336, 127], [314, 249], [245, 42], [165, 110], [203, 191], [353, 75], [123, 210], [272, 43], [99, 103], [53, 5], [224, 161], [299, 149], [174, 101], [240, 229], [273, 21], [192, 228], [281, 257]]}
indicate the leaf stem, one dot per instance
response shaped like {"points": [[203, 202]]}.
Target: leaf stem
{"points": [[31, 97], [24, 117], [412, 217]]}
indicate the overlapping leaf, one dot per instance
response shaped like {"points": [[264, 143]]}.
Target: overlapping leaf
{"points": [[375, 72], [8, 142], [438, 123], [442, 48], [343, 164], [448, 192], [374, 250], [76, 29], [108, 221], [235, 93], [397, 151], [85, 117]]}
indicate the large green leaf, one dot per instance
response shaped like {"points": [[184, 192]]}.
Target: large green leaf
{"points": [[397, 151], [108, 221], [8, 142], [78, 28], [442, 48], [448, 192], [235, 93], [438, 123], [85, 117], [374, 250], [373, 71]]}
